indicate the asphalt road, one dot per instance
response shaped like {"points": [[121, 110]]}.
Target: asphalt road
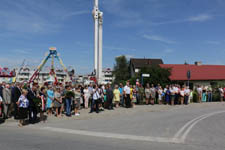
{"points": [[192, 127]]}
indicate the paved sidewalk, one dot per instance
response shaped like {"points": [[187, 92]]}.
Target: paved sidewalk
{"points": [[85, 115]]}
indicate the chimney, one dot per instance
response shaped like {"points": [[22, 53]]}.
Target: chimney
{"points": [[198, 63]]}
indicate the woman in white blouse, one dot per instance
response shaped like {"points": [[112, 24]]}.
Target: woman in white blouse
{"points": [[86, 97]]}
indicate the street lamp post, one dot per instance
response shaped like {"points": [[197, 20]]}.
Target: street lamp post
{"points": [[144, 76], [188, 77]]}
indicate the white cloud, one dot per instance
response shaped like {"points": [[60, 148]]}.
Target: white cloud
{"points": [[197, 18], [29, 16], [16, 61], [158, 38], [90, 46], [153, 10], [75, 13], [168, 51], [118, 48], [200, 18], [213, 42], [21, 51]]}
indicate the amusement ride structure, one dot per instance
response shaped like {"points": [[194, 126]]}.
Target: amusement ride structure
{"points": [[52, 75], [97, 74]]}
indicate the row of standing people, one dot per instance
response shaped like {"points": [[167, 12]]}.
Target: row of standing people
{"points": [[65, 99]]}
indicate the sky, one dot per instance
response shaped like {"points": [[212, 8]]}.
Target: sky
{"points": [[177, 31]]}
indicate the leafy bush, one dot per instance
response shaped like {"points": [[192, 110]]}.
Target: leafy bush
{"points": [[216, 96], [195, 97]]}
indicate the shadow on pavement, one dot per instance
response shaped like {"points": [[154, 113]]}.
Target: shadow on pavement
{"points": [[1, 121]]}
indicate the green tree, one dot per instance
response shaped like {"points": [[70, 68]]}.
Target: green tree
{"points": [[158, 75], [121, 69]]}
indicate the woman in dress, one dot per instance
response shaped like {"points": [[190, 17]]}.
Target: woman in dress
{"points": [[182, 96], [86, 97], [160, 94], [221, 94], [153, 95], [77, 99], [50, 99], [105, 97], [147, 94], [204, 94], [116, 96], [134, 98], [23, 104], [57, 101]]}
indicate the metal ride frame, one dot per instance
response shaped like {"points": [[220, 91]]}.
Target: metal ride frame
{"points": [[52, 54]]}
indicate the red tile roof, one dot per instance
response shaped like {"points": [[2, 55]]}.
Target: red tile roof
{"points": [[201, 72]]}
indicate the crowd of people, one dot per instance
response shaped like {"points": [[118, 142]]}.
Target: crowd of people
{"points": [[22, 101]]}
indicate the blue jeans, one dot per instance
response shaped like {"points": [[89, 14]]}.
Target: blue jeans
{"points": [[68, 107], [122, 100], [186, 100], [209, 97], [94, 103]]}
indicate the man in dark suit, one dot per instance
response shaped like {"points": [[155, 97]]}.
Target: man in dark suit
{"points": [[109, 97], [31, 95], [1, 88], [1, 95], [16, 93]]}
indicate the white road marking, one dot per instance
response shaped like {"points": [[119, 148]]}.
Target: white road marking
{"points": [[189, 125], [177, 135], [184, 136], [112, 135]]}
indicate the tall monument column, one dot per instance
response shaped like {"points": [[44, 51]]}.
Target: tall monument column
{"points": [[100, 47], [98, 21], [96, 17]]}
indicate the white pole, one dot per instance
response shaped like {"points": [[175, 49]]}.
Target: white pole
{"points": [[96, 3], [95, 16], [100, 47], [96, 46]]}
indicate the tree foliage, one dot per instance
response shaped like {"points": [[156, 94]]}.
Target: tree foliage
{"points": [[158, 75], [121, 69]]}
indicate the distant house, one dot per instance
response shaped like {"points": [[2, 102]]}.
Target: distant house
{"points": [[199, 74], [107, 76], [137, 63]]}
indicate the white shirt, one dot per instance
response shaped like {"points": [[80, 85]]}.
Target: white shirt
{"points": [[1, 99], [126, 89], [86, 92], [96, 95], [165, 89], [160, 91], [172, 90], [187, 92], [199, 90], [176, 90], [182, 92]]}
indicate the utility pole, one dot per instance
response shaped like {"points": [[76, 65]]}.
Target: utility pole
{"points": [[98, 21]]}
